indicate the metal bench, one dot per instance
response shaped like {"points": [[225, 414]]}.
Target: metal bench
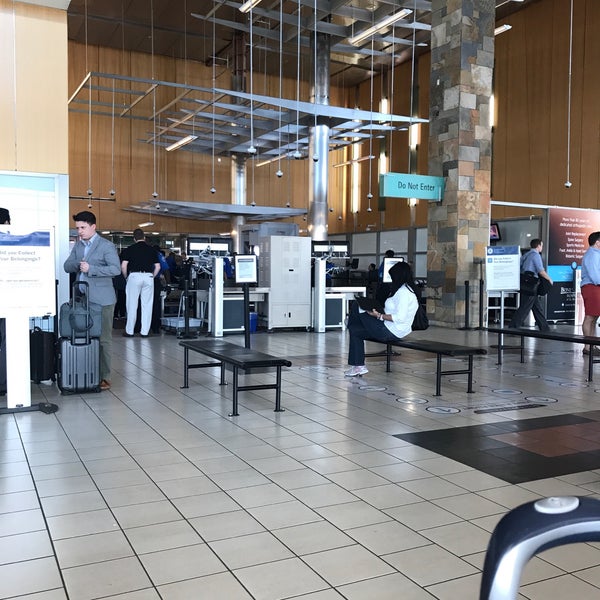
{"points": [[439, 349], [240, 359], [558, 336]]}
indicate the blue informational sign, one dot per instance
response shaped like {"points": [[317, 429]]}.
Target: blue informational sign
{"points": [[35, 238], [407, 185], [28, 271], [502, 267]]}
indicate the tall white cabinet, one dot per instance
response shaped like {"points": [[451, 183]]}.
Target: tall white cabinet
{"points": [[284, 267]]}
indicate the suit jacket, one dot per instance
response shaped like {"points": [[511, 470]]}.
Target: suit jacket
{"points": [[104, 265]]}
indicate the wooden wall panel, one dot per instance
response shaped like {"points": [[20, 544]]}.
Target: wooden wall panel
{"points": [[34, 67], [531, 85], [589, 172], [7, 85]]}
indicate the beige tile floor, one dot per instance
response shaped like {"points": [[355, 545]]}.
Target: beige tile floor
{"points": [[151, 491]]}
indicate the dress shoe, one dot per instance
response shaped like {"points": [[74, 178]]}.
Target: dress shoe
{"points": [[125, 334], [104, 385]]}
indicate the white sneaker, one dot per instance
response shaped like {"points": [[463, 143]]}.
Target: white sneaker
{"points": [[357, 370]]}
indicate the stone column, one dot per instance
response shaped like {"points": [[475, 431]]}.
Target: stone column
{"points": [[460, 149]]}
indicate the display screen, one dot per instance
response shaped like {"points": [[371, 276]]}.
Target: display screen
{"points": [[324, 248], [388, 263], [494, 232], [245, 268]]}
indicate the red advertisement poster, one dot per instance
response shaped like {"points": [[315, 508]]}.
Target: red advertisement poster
{"points": [[568, 231]]}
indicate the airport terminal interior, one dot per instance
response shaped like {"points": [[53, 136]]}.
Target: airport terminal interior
{"points": [[267, 134]]}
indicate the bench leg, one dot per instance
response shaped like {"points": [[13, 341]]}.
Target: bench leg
{"points": [[186, 362], [470, 376], [500, 342], [388, 358], [278, 392], [234, 412], [591, 364], [438, 375], [223, 382], [522, 348]]}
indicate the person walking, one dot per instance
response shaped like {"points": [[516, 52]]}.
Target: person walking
{"points": [[532, 261], [140, 265], [590, 286], [394, 323], [96, 261]]}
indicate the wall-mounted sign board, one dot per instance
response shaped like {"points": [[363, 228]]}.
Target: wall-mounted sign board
{"points": [[407, 185]]}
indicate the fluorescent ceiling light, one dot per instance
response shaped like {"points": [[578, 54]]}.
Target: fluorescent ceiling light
{"points": [[270, 160], [248, 5], [146, 224], [182, 142], [355, 160], [502, 29], [389, 20]]}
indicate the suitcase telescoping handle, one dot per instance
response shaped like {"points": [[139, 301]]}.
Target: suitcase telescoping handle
{"points": [[532, 528]]}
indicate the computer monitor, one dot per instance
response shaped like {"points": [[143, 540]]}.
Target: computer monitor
{"points": [[495, 232], [338, 248], [388, 263], [245, 268]]}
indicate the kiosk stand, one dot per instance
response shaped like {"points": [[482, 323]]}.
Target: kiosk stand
{"points": [[502, 269], [28, 271], [246, 273]]}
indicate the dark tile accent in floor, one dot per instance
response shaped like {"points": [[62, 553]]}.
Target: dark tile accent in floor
{"points": [[518, 451]]}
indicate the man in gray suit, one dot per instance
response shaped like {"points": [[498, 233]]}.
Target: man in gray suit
{"points": [[96, 261]]}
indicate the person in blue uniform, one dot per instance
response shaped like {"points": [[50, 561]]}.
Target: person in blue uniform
{"points": [[532, 261]]}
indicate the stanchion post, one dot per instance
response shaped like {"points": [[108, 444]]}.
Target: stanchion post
{"points": [[467, 303], [467, 298], [246, 290], [186, 309], [186, 312], [481, 304]]}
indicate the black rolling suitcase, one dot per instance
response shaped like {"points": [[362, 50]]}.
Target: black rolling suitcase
{"points": [[42, 355], [79, 355]]}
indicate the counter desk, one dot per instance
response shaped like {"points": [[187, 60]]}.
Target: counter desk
{"points": [[233, 306], [337, 304]]}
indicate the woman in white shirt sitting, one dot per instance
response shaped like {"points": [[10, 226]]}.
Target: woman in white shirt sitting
{"points": [[394, 323]]}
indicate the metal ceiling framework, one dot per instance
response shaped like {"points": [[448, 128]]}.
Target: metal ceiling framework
{"points": [[207, 211], [222, 121], [219, 119], [226, 122]]}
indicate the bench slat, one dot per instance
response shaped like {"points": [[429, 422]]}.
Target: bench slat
{"points": [[559, 336], [437, 347], [244, 358]]}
